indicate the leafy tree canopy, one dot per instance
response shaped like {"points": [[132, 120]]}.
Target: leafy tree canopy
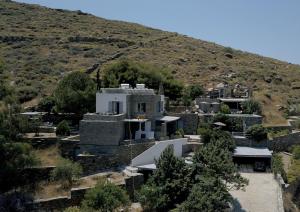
{"points": [[75, 93], [257, 132], [133, 73], [105, 196], [209, 194]]}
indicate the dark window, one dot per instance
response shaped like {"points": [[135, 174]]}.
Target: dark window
{"points": [[143, 126], [141, 107]]}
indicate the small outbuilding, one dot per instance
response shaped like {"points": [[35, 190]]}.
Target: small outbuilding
{"points": [[249, 157]]}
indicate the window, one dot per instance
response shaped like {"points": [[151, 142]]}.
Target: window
{"points": [[143, 126], [115, 107], [141, 107]]}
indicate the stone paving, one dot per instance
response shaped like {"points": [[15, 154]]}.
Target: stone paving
{"points": [[263, 194]]}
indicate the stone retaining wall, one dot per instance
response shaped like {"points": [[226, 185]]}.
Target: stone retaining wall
{"points": [[189, 122], [121, 156]]}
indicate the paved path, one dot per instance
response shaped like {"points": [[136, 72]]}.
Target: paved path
{"points": [[263, 194]]}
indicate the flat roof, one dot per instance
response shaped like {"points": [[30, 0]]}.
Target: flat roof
{"points": [[168, 118], [144, 91], [135, 120], [151, 166], [252, 152], [233, 99]]}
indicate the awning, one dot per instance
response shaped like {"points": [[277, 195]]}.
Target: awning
{"points": [[135, 120], [151, 166], [168, 118], [252, 152]]}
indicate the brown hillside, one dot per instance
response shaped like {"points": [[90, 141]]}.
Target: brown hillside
{"points": [[39, 45]]}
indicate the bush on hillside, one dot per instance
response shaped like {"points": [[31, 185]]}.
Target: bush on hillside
{"points": [[251, 107], [257, 132], [66, 172], [105, 196], [63, 128]]}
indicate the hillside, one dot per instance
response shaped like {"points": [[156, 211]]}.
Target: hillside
{"points": [[39, 45]]}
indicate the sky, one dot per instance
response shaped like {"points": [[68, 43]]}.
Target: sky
{"points": [[267, 27]]}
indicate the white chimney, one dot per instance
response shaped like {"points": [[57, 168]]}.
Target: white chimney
{"points": [[125, 86], [140, 86]]}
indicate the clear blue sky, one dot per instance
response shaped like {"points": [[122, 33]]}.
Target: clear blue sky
{"points": [[267, 27]]}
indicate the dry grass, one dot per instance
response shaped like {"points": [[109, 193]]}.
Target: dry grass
{"points": [[40, 62], [48, 156]]}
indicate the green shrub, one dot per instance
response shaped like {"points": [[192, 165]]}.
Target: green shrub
{"points": [[224, 109], [105, 196], [277, 166], [75, 93], [257, 132], [63, 128], [296, 152], [72, 209], [66, 172], [179, 133], [251, 107], [46, 104], [26, 93]]}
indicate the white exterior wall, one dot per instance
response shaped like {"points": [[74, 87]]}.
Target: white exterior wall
{"points": [[103, 99], [153, 153]]}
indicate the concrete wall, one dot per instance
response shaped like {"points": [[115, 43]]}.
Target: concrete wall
{"points": [[150, 155], [103, 99]]}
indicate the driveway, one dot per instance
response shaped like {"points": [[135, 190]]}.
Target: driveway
{"points": [[263, 194]]}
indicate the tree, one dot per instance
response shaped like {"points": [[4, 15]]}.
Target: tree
{"points": [[170, 180], [257, 132], [215, 159], [67, 172], [251, 107], [196, 91], [224, 109], [14, 158], [105, 196], [63, 128], [209, 194], [126, 71], [47, 104], [75, 93], [186, 97]]}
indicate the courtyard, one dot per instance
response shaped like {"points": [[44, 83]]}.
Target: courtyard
{"points": [[262, 194]]}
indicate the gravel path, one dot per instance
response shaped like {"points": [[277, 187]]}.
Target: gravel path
{"points": [[263, 194]]}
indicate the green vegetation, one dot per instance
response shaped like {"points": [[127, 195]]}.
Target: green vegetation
{"points": [[257, 132], [202, 186], [63, 128], [190, 93], [251, 107], [75, 93], [277, 166], [224, 109], [294, 170], [67, 172], [47, 104], [133, 73], [105, 196], [275, 134]]}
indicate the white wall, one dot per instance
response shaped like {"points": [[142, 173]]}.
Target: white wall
{"points": [[154, 152], [102, 100]]}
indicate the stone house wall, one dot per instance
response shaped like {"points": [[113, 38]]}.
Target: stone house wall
{"points": [[189, 122]]}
